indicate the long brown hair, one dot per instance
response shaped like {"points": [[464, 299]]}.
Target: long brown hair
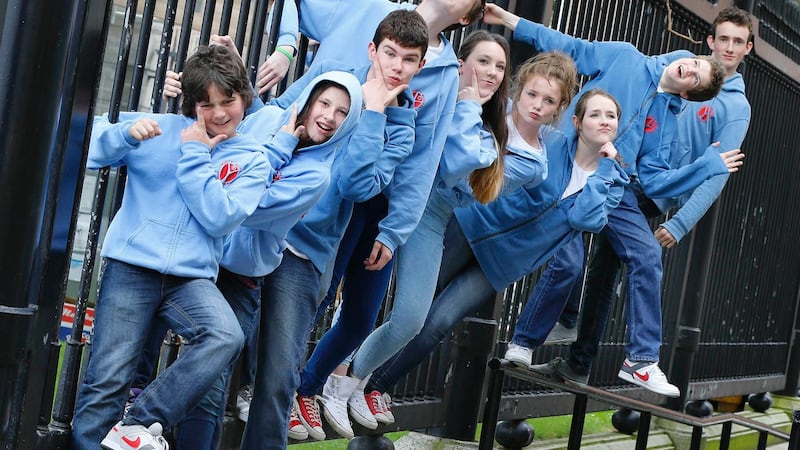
{"points": [[487, 182]]}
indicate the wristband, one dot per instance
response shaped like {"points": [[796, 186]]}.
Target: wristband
{"points": [[286, 53]]}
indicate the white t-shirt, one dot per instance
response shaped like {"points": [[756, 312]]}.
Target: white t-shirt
{"points": [[577, 181], [516, 143], [434, 52]]}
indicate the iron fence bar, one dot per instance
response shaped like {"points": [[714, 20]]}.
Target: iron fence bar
{"points": [[183, 45], [256, 33], [794, 439], [142, 47], [241, 25], [494, 392], [163, 59], [697, 435], [762, 441], [578, 419], [644, 430], [225, 18], [725, 437], [208, 19]]}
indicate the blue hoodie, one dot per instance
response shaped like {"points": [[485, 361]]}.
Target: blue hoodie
{"points": [[463, 154], [181, 199], [648, 126], [518, 232], [256, 248], [344, 31], [364, 167], [723, 119]]}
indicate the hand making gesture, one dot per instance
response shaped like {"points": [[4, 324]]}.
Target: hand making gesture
{"points": [[197, 131], [377, 96]]}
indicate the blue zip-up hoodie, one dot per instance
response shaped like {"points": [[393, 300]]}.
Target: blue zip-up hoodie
{"points": [[518, 232], [256, 248], [723, 119], [364, 167], [343, 31], [181, 199], [648, 125], [463, 154]]}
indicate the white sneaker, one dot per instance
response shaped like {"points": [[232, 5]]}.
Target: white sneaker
{"points": [[135, 437], [243, 399], [334, 397], [296, 429], [519, 355], [359, 409], [649, 376], [386, 406]]}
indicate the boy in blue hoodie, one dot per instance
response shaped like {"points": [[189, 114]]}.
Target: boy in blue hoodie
{"points": [[366, 163], [650, 91], [162, 261], [724, 120]]}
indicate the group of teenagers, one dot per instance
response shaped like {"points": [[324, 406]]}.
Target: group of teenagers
{"points": [[394, 153]]}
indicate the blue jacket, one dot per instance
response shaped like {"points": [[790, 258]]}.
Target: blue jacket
{"points": [[256, 248], [723, 119], [181, 199], [470, 146], [518, 232], [344, 30], [647, 131], [364, 168]]}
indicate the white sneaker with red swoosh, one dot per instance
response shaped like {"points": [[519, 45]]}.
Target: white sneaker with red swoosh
{"points": [[649, 376], [135, 437]]}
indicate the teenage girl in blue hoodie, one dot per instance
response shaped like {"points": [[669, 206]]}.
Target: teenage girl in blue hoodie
{"points": [[302, 154], [542, 88], [192, 179], [650, 91], [495, 244]]}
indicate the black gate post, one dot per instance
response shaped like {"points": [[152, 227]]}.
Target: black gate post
{"points": [[693, 295], [34, 47]]}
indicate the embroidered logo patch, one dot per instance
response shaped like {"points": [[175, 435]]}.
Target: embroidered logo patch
{"points": [[705, 112], [419, 98], [650, 124], [228, 172]]}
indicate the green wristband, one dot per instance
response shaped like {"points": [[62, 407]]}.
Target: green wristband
{"points": [[285, 52]]}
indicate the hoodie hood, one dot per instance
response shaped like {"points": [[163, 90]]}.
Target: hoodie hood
{"points": [[265, 123]]}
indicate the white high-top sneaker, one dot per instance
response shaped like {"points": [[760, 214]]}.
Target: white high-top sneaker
{"points": [[334, 397], [359, 410]]}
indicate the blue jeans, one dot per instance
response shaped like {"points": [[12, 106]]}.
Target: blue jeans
{"points": [[550, 295], [201, 428], [601, 277], [130, 298], [417, 269], [289, 299], [363, 293], [465, 290]]}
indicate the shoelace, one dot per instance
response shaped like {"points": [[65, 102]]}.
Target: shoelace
{"points": [[247, 394], [311, 410], [386, 402], [293, 417], [377, 403]]}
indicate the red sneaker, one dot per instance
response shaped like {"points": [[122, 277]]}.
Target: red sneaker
{"points": [[308, 413]]}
